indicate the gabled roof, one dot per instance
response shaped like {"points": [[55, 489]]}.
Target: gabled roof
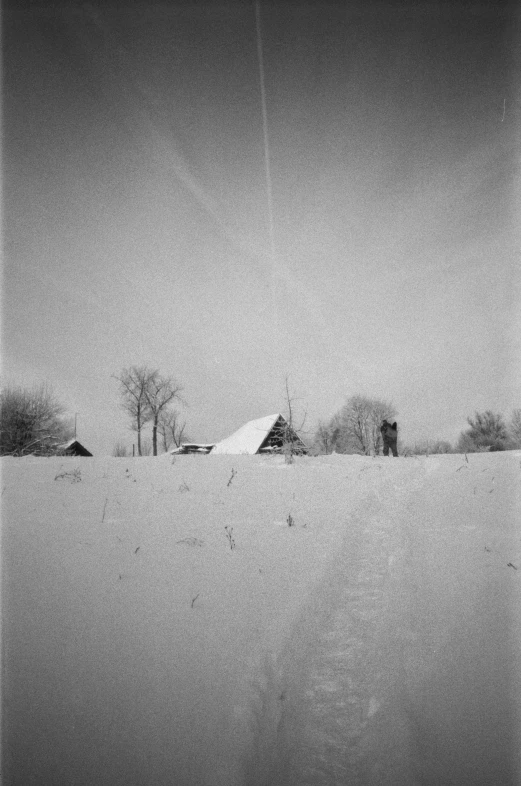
{"points": [[256, 435], [74, 448], [249, 438]]}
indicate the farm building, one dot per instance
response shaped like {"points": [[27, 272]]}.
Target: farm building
{"points": [[264, 435], [193, 447], [72, 448]]}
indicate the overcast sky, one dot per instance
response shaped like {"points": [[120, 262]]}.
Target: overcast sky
{"points": [[136, 208]]}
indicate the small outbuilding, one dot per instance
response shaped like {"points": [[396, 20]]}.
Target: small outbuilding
{"points": [[192, 447], [72, 448], [265, 435]]}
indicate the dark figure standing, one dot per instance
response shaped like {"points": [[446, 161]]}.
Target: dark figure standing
{"points": [[390, 437]]}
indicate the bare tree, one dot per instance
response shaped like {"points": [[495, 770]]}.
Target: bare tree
{"points": [[356, 427], [379, 410], [290, 433], [361, 419], [514, 428], [323, 442], [133, 387], [356, 419], [171, 428], [31, 422], [160, 392]]}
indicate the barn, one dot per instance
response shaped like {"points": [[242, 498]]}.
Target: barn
{"points": [[72, 448], [269, 434]]}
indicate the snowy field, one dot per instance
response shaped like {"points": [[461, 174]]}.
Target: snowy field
{"points": [[164, 624]]}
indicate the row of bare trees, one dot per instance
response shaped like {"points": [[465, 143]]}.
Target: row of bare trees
{"points": [[32, 421], [150, 398], [356, 429], [488, 431]]}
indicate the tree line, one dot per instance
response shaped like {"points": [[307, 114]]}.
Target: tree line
{"points": [[32, 421], [355, 428]]}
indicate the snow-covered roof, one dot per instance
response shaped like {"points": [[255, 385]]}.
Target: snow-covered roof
{"points": [[249, 438], [68, 444], [74, 446]]}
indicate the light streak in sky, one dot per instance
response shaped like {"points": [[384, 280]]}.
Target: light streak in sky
{"points": [[118, 77], [265, 130], [274, 266]]}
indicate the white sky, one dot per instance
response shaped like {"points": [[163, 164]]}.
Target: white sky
{"points": [[136, 221]]}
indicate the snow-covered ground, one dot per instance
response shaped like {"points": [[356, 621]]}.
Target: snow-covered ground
{"points": [[163, 623]]}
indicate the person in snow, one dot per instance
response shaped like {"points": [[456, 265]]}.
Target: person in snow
{"points": [[389, 436]]}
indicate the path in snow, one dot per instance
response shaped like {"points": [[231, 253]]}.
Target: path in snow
{"points": [[406, 671]]}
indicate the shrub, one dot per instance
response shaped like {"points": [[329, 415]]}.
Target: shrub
{"points": [[31, 422], [487, 431]]}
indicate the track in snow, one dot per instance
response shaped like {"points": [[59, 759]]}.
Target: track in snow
{"points": [[401, 673]]}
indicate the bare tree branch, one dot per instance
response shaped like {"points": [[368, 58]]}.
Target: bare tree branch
{"points": [[171, 428], [133, 384], [292, 443], [160, 392]]}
